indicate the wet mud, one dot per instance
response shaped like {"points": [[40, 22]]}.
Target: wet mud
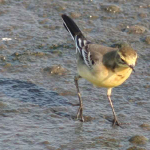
{"points": [[38, 100]]}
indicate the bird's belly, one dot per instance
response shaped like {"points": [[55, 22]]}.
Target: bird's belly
{"points": [[106, 78], [112, 79]]}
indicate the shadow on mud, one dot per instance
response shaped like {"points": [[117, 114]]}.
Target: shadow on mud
{"points": [[30, 92]]}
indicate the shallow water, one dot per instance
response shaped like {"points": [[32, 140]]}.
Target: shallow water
{"points": [[38, 107]]}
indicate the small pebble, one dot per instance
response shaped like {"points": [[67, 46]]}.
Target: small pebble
{"points": [[16, 54], [138, 139], [61, 8], [45, 143], [135, 148], [2, 1], [136, 29], [3, 58], [88, 118], [111, 8], [75, 15], [143, 15], [2, 105], [93, 17], [147, 39], [55, 70], [44, 21], [39, 54], [7, 65], [2, 47], [145, 126]]}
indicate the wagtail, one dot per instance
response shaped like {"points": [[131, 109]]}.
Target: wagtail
{"points": [[102, 66]]}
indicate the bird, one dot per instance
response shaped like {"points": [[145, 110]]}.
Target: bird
{"points": [[103, 66]]}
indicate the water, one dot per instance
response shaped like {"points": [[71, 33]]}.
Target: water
{"points": [[38, 108]]}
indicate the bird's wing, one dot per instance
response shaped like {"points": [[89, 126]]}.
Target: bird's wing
{"points": [[94, 53]]}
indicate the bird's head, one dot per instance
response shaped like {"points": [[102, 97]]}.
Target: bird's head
{"points": [[126, 56]]}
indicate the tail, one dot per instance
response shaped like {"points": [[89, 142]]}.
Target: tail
{"points": [[80, 41], [75, 33], [71, 27]]}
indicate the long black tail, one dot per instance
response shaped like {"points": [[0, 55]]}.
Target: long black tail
{"points": [[71, 27]]}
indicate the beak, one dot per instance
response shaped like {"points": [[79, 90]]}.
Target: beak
{"points": [[132, 67]]}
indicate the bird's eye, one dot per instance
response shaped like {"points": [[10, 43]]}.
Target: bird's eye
{"points": [[122, 61]]}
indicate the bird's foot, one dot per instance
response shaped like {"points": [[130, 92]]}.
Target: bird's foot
{"points": [[115, 122], [80, 114]]}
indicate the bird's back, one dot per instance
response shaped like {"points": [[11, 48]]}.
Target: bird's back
{"points": [[98, 51]]}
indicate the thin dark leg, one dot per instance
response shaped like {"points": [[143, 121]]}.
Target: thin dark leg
{"points": [[115, 121], [80, 110]]}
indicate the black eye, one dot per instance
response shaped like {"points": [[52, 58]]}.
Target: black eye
{"points": [[122, 61]]}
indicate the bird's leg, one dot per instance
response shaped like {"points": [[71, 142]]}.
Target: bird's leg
{"points": [[80, 110], [115, 121]]}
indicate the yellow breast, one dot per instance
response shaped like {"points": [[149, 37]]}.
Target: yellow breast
{"points": [[103, 77]]}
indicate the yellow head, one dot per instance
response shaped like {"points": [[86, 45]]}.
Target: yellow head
{"points": [[126, 57]]}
